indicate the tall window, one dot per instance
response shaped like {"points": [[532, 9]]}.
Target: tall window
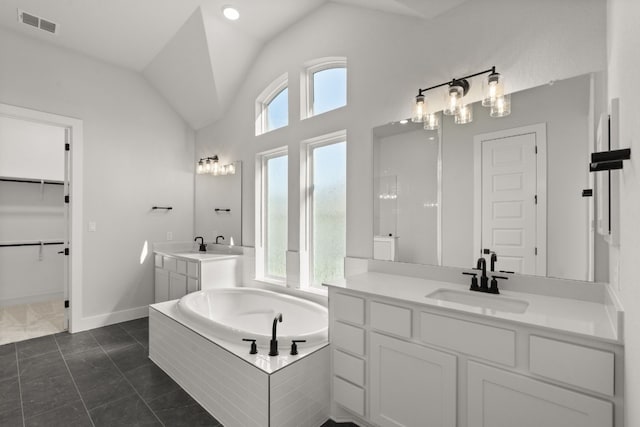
{"points": [[272, 106], [274, 206], [326, 86], [326, 201]]}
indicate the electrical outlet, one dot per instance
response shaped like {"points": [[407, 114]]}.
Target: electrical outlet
{"points": [[169, 235], [92, 226]]}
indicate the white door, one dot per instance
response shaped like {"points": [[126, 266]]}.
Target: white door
{"points": [[511, 223], [411, 385], [497, 398]]}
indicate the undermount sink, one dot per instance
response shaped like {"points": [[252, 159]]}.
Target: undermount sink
{"points": [[484, 301]]}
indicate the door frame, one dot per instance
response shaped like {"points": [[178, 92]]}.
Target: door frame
{"points": [[540, 131], [74, 223]]}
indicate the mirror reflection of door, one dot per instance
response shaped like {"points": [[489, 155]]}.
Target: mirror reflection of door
{"points": [[510, 208]]}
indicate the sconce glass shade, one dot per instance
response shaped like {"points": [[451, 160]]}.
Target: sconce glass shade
{"points": [[419, 112], [464, 115], [501, 107], [215, 166], [453, 100], [200, 167], [493, 89], [208, 163], [231, 168], [432, 121]]}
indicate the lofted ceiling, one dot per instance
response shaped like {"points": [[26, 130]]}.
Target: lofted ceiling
{"points": [[183, 47]]}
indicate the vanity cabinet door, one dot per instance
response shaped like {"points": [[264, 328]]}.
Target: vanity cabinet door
{"points": [[498, 398], [161, 285], [177, 286], [411, 385]]}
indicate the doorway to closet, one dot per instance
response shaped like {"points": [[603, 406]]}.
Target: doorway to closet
{"points": [[34, 228]]}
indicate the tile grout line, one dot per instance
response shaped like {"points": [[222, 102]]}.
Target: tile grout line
{"points": [[127, 379], [73, 380], [19, 383]]}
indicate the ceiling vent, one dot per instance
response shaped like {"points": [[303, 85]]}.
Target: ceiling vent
{"points": [[37, 22]]}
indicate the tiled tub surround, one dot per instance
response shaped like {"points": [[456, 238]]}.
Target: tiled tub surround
{"points": [[241, 389], [560, 363]]}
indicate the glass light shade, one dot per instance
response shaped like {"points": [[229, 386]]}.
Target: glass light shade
{"points": [[419, 112], [224, 170], [432, 121], [502, 107], [464, 115], [493, 89], [453, 100], [200, 167], [231, 168], [207, 165], [215, 167]]}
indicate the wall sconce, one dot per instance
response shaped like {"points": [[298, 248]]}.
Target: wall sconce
{"points": [[212, 166], [493, 98]]}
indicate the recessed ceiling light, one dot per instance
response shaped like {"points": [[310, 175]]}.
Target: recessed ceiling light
{"points": [[404, 121], [230, 13]]}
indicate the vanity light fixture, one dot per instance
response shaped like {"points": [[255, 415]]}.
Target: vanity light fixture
{"points": [[212, 166], [493, 97]]}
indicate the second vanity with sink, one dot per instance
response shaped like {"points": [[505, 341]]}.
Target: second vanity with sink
{"points": [[411, 351]]}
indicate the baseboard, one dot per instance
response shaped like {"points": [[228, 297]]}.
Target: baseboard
{"points": [[30, 299], [100, 320]]}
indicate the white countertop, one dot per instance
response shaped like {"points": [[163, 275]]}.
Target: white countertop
{"points": [[198, 256], [565, 315], [262, 360]]}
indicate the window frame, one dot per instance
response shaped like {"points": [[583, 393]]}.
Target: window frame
{"points": [[264, 100], [308, 88], [307, 199], [262, 183]]}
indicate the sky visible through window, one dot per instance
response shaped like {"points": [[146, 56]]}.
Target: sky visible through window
{"points": [[278, 110], [329, 90]]}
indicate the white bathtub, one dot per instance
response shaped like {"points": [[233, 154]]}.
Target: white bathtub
{"points": [[236, 313]]}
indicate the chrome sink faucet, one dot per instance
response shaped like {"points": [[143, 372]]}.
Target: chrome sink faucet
{"points": [[203, 246]]}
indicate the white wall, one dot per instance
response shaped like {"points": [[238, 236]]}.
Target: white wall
{"points": [[623, 40], [137, 153], [389, 57]]}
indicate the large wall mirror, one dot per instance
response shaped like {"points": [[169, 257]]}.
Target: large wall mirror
{"points": [[218, 207], [513, 185]]}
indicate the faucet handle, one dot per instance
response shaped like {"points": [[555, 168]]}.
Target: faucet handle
{"points": [[493, 289], [294, 347], [254, 348], [474, 280]]}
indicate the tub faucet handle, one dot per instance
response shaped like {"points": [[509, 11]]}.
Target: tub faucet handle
{"points": [[254, 347], [294, 346]]}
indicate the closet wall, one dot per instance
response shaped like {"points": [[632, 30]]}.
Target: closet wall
{"points": [[31, 212]]}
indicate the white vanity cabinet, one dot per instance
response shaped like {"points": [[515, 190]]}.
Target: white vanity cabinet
{"points": [[411, 385], [402, 363], [175, 277]]}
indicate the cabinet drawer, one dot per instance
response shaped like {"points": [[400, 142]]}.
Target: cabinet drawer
{"points": [[177, 286], [348, 308], [348, 367], [181, 266], [487, 342], [573, 364], [158, 260], [192, 269], [348, 337], [392, 319], [348, 395], [169, 263]]}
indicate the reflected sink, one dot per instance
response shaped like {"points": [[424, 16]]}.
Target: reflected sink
{"points": [[479, 300]]}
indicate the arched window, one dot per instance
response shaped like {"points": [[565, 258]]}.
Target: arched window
{"points": [[272, 106], [325, 82]]}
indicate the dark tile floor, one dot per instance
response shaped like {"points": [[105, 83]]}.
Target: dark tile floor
{"points": [[101, 377]]}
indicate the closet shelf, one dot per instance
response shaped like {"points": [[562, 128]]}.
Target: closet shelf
{"points": [[32, 181]]}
